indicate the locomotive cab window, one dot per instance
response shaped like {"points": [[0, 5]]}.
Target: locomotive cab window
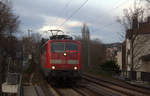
{"points": [[62, 47], [71, 46], [57, 47]]}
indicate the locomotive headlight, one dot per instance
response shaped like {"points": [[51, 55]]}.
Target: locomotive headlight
{"points": [[53, 67], [75, 68], [65, 54]]}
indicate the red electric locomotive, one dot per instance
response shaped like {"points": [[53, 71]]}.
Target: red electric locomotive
{"points": [[61, 58]]}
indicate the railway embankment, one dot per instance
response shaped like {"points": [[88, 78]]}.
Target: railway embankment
{"points": [[29, 91], [32, 91], [138, 83], [119, 85]]}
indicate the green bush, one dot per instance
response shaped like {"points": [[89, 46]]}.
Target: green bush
{"points": [[109, 67]]}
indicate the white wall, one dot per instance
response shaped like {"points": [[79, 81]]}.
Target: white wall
{"points": [[119, 59], [142, 48]]}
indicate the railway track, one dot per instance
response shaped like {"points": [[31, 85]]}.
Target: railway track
{"points": [[84, 89], [65, 91], [92, 86], [115, 89], [94, 91], [78, 90]]}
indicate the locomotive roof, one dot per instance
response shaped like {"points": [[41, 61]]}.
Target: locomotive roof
{"points": [[61, 37], [73, 41], [58, 38]]}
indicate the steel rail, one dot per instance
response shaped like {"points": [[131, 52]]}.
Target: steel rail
{"points": [[105, 83]]}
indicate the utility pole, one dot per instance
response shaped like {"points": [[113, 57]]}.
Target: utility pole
{"points": [[88, 44], [29, 32], [86, 38], [89, 53]]}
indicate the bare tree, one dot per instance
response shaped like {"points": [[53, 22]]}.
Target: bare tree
{"points": [[131, 20], [36, 37], [148, 1], [97, 52], [8, 21], [31, 47], [8, 25]]}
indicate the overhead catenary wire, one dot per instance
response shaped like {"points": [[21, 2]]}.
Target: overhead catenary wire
{"points": [[124, 2], [118, 7], [82, 6], [103, 15], [72, 14], [110, 24], [63, 10], [113, 8]]}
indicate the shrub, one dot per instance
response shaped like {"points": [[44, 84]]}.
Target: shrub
{"points": [[110, 67]]}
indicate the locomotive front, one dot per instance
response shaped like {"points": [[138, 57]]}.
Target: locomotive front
{"points": [[64, 59]]}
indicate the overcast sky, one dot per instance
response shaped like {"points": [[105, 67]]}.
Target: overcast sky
{"points": [[100, 16]]}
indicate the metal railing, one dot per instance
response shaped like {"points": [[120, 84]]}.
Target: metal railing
{"points": [[7, 89], [20, 86], [136, 75]]}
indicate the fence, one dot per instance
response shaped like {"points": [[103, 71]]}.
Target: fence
{"points": [[136, 75], [9, 89]]}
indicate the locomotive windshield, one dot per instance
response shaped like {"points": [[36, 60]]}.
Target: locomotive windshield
{"points": [[61, 47], [57, 47]]}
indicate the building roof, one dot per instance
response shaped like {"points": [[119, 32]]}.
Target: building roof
{"points": [[143, 28]]}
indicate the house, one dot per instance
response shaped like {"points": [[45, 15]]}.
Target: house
{"points": [[111, 50], [114, 52], [141, 47], [111, 53]]}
